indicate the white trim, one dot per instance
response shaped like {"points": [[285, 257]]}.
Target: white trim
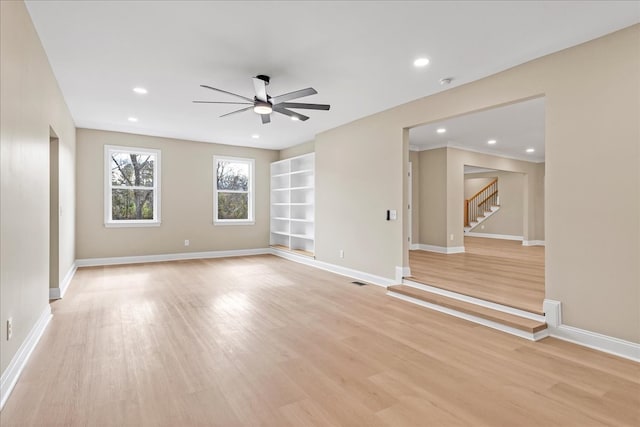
{"points": [[475, 319], [16, 366], [337, 269], [57, 293], [108, 221], [251, 196], [414, 246], [92, 262], [493, 236], [402, 272], [440, 249], [472, 300], [594, 340], [532, 242], [552, 312]]}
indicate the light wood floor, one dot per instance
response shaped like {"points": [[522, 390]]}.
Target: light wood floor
{"points": [[501, 271], [265, 341]]}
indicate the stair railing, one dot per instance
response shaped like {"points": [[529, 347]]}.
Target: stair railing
{"points": [[482, 201]]}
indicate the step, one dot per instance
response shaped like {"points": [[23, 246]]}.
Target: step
{"points": [[511, 323]]}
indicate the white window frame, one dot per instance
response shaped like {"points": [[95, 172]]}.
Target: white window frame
{"points": [[251, 193], [108, 221]]}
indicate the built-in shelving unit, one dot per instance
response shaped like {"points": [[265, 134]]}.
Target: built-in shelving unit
{"points": [[292, 204]]}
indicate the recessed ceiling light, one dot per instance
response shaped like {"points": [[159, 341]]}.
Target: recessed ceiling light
{"points": [[421, 62], [491, 141], [140, 90], [255, 136], [530, 150], [133, 119], [441, 130], [295, 118]]}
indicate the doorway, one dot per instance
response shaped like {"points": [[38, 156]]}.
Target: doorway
{"points": [[500, 260], [54, 209]]}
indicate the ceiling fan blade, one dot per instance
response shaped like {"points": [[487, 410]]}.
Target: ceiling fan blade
{"points": [[293, 95], [218, 102], [266, 118], [237, 111], [302, 105], [260, 87], [289, 113], [228, 93]]}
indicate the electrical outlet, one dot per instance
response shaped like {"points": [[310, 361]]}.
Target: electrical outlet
{"points": [[9, 328], [482, 227], [186, 242], [451, 237], [341, 253]]}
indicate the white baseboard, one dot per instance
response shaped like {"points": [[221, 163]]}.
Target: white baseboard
{"points": [[594, 340], [343, 271], [533, 243], [12, 373], [92, 262], [402, 272], [440, 249], [475, 319], [57, 293], [493, 236], [414, 246]]}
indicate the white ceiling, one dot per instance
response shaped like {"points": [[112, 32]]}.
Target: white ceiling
{"points": [[515, 128], [358, 55]]}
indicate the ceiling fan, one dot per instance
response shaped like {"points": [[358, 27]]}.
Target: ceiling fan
{"points": [[264, 104]]}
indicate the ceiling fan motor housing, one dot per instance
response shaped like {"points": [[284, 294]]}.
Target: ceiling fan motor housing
{"points": [[264, 78]]}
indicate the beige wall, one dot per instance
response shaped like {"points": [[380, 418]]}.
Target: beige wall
{"points": [[433, 197], [30, 103], [358, 178], [297, 150], [508, 220], [186, 199], [475, 182], [591, 120]]}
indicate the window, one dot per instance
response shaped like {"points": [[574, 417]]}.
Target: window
{"points": [[132, 186], [233, 191]]}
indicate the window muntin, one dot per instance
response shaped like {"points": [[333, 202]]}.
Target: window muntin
{"points": [[132, 186], [233, 190]]}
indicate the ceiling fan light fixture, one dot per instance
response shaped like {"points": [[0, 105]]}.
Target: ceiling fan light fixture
{"points": [[262, 108]]}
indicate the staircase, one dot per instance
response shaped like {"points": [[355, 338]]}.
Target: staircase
{"points": [[481, 206], [514, 321]]}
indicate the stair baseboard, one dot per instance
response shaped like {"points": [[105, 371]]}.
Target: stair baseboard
{"points": [[530, 328]]}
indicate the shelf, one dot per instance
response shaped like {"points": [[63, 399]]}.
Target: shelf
{"points": [[278, 175], [297, 236], [296, 176], [301, 236], [292, 188], [301, 171], [293, 219]]}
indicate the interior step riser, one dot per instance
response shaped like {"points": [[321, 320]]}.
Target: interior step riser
{"points": [[475, 319], [477, 301]]}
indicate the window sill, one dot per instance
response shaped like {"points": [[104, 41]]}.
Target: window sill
{"points": [[125, 224], [232, 222]]}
